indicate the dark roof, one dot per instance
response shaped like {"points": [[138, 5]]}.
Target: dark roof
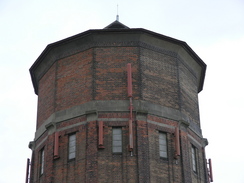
{"points": [[116, 25]]}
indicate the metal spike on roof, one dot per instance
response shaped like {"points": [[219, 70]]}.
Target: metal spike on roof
{"points": [[117, 17]]}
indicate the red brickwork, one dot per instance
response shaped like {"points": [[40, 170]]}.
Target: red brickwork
{"points": [[74, 80], [110, 72], [101, 165], [166, 170], [46, 99], [100, 74], [160, 80], [143, 151], [201, 165], [188, 93]]}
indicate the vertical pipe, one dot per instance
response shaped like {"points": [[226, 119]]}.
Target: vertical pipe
{"points": [[130, 135], [129, 80], [27, 171], [56, 145], [100, 134], [210, 170], [177, 142], [129, 90], [205, 164]]}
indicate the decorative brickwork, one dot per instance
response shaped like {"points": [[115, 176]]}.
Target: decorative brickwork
{"points": [[81, 84]]}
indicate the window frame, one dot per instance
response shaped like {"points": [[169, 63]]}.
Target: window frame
{"points": [[194, 158], [163, 143], [42, 161], [70, 147], [121, 140]]}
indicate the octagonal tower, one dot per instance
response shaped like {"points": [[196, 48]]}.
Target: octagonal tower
{"points": [[118, 105]]}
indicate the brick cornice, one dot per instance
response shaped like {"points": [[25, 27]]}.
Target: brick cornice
{"points": [[96, 107], [112, 38]]}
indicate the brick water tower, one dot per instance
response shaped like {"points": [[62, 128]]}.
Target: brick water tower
{"points": [[118, 105]]}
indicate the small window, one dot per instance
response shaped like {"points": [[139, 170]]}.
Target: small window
{"points": [[72, 146], [194, 159], [117, 140], [41, 161], [163, 150]]}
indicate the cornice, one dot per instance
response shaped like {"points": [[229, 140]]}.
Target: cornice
{"points": [[93, 108], [114, 38]]}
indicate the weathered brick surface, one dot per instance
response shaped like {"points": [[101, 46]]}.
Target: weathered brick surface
{"points": [[197, 142], [186, 157], [111, 75], [101, 165], [159, 78], [46, 96], [116, 167], [163, 170], [188, 93], [67, 83], [143, 151], [74, 80], [99, 73], [91, 152]]}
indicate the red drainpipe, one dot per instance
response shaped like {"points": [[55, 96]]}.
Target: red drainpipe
{"points": [[177, 142], [129, 90], [100, 135], [56, 145], [210, 170], [27, 171]]}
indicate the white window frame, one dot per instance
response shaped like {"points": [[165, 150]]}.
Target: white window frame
{"points": [[117, 142], [72, 146], [194, 158], [42, 161], [163, 145]]}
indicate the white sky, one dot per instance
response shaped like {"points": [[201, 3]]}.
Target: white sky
{"points": [[213, 29]]}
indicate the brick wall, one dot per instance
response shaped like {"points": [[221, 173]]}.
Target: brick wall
{"points": [[188, 92], [159, 78], [101, 165], [46, 96], [99, 73], [74, 80], [110, 76]]}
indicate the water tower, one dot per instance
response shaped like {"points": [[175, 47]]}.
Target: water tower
{"points": [[118, 104]]}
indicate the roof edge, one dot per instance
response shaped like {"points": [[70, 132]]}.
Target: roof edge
{"points": [[51, 46]]}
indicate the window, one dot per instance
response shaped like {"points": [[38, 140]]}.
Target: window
{"points": [[163, 145], [117, 140], [41, 161], [72, 146], [194, 160]]}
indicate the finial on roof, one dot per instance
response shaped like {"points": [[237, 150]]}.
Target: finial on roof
{"points": [[117, 16], [116, 24]]}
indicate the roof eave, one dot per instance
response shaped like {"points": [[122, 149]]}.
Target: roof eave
{"points": [[91, 31]]}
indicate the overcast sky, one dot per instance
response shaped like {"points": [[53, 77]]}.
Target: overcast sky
{"points": [[214, 29]]}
